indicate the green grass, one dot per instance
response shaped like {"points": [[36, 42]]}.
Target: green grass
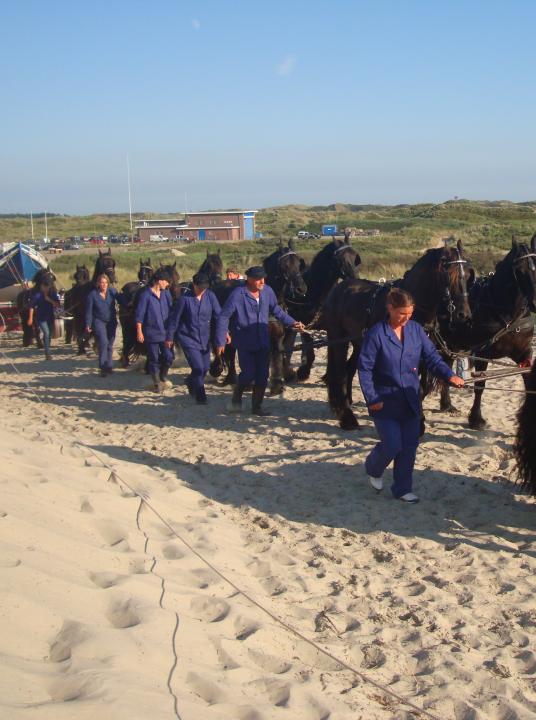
{"points": [[486, 229]]}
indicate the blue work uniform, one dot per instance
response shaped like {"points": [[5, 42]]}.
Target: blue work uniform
{"points": [[389, 373], [153, 314], [102, 319], [247, 320], [44, 315], [190, 324]]}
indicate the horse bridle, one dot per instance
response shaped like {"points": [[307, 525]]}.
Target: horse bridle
{"points": [[287, 280], [460, 262], [339, 261], [532, 268]]}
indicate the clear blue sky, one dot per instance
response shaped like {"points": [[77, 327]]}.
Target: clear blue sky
{"points": [[261, 103]]}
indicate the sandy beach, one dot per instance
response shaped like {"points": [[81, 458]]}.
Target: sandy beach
{"points": [[107, 613]]}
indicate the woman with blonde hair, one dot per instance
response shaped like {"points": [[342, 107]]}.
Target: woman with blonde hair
{"points": [[101, 317], [388, 368]]}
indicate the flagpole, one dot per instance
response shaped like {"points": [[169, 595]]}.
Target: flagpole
{"points": [[129, 197]]}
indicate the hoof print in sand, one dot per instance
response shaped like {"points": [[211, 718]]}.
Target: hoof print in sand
{"points": [[113, 534], [172, 552], [122, 614], [269, 663], [244, 627], [205, 689], [104, 580], [75, 687], [209, 609], [71, 634]]}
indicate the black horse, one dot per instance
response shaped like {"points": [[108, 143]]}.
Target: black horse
{"points": [[336, 261], [130, 292], [75, 295], [502, 325], [525, 441], [212, 266], [24, 303], [439, 282], [284, 274]]}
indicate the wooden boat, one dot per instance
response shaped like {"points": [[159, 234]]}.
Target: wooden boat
{"points": [[18, 265]]}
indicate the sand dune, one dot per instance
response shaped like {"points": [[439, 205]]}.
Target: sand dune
{"points": [[108, 613]]}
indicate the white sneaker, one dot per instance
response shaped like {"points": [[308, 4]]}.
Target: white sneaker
{"points": [[376, 483], [409, 498]]}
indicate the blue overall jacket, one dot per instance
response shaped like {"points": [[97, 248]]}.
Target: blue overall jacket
{"points": [[44, 311], [101, 309], [389, 370], [247, 319], [191, 320], [153, 313]]}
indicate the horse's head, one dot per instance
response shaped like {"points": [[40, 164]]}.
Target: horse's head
{"points": [[106, 264], [174, 286], [81, 276], [212, 266], [284, 268], [44, 276], [456, 278], [524, 269], [146, 271], [345, 260]]}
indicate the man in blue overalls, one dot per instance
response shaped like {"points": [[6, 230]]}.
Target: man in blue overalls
{"points": [[151, 318], [247, 311], [190, 324]]}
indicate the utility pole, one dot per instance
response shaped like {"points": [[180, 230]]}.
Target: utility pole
{"points": [[31, 224], [129, 197]]}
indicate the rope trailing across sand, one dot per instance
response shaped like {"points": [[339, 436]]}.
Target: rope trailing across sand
{"points": [[365, 678]]}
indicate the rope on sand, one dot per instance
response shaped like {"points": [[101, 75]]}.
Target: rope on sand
{"points": [[420, 712], [289, 628]]}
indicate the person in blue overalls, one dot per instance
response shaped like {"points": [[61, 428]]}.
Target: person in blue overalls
{"points": [[102, 319], [246, 312], [44, 302], [388, 368], [190, 324], [151, 317]]}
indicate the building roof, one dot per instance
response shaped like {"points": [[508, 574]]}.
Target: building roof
{"points": [[187, 227]]}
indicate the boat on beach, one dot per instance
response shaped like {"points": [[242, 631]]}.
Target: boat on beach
{"points": [[18, 265]]}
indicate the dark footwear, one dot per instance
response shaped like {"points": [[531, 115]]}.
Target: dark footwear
{"points": [[164, 378], [188, 384], [103, 372], [110, 370], [236, 401], [256, 402]]}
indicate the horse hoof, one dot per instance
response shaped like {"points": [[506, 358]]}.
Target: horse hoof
{"points": [[450, 409], [276, 390], [290, 376], [303, 374], [348, 421], [477, 423]]}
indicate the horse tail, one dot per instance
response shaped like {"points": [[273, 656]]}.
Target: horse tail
{"points": [[525, 441]]}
